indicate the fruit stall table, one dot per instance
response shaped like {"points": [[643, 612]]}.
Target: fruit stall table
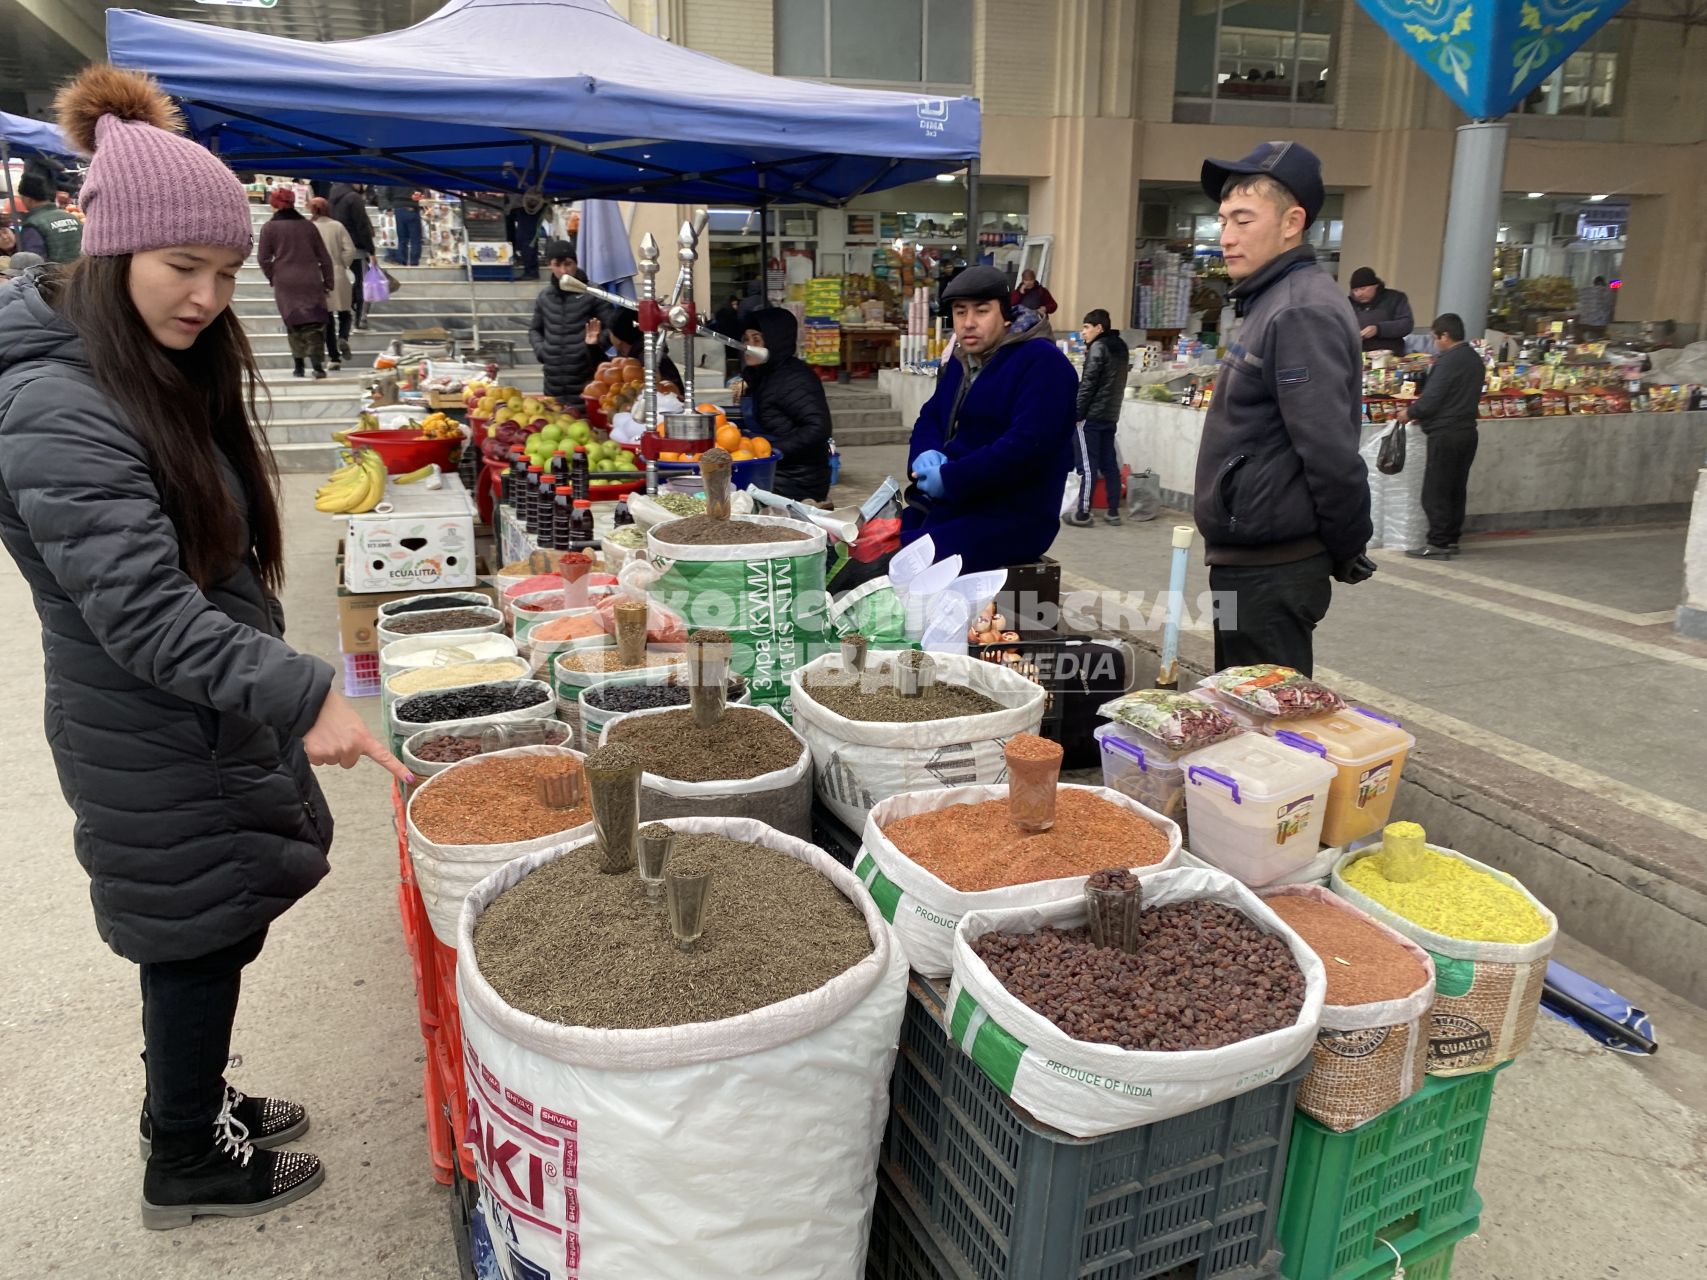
{"points": [[873, 346]]}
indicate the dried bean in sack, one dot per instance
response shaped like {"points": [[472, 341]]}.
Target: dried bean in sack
{"points": [[1087, 1088], [1486, 994], [437, 620], [1372, 1049], [1095, 829], [859, 762], [752, 765], [473, 817], [642, 1115]]}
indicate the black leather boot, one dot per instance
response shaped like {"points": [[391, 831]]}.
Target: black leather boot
{"points": [[216, 1172], [270, 1122]]}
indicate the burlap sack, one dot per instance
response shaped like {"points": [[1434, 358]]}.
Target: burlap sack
{"points": [[1486, 993], [1367, 1057]]}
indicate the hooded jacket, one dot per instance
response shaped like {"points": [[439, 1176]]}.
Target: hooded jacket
{"points": [[1279, 478], [175, 716], [1006, 427], [790, 408], [1102, 386]]}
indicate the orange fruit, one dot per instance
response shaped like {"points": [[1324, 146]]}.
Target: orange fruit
{"points": [[708, 408], [722, 419], [667, 456], [594, 388], [742, 455], [728, 438], [760, 446]]}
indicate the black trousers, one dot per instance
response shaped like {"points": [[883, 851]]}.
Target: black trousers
{"points": [[1268, 613], [337, 332], [358, 300], [1446, 481], [188, 1007], [1098, 456]]}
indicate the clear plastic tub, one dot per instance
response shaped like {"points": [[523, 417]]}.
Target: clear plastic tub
{"points": [[1368, 752], [1256, 807], [1143, 772]]}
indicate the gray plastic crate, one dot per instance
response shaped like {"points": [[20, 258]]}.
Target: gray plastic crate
{"points": [[1007, 1198]]}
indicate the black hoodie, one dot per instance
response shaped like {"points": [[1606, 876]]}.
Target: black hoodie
{"points": [[790, 407]]}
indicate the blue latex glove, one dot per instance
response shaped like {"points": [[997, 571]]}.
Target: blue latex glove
{"points": [[927, 470]]}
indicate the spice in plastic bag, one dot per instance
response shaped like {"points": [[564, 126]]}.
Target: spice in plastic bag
{"points": [[1272, 690], [1176, 721]]}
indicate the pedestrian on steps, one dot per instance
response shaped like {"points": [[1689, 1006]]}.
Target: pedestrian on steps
{"points": [[1102, 387], [349, 206], [294, 259], [182, 725], [342, 251]]}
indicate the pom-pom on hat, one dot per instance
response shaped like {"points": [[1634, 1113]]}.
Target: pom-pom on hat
{"points": [[148, 186]]}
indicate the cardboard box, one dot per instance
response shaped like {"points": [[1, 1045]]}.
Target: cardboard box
{"points": [[423, 543], [358, 614]]}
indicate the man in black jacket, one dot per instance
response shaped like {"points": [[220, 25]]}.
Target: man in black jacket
{"points": [[1446, 411], [1282, 495], [789, 404], [1102, 386], [558, 331], [1383, 315], [349, 206]]}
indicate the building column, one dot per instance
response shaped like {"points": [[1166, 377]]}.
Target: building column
{"points": [[1090, 206]]}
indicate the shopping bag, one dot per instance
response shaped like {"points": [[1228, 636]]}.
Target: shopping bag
{"points": [[392, 285], [1390, 457], [376, 285], [1143, 496]]}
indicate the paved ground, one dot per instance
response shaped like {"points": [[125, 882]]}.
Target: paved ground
{"points": [[1595, 1168]]}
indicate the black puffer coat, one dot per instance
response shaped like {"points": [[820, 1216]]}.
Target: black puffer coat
{"points": [[1102, 386], [791, 408], [558, 334], [175, 717]]}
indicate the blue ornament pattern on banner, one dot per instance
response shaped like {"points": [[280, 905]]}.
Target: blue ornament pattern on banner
{"points": [[1488, 54]]}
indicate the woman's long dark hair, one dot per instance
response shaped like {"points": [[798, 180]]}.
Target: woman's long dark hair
{"points": [[187, 407]]}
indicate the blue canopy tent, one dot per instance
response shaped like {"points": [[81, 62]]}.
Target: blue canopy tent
{"points": [[559, 96], [33, 139]]}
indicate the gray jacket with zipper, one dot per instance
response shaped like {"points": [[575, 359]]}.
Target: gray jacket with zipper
{"points": [[175, 716], [1279, 477]]}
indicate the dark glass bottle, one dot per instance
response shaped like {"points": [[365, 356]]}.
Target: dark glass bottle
{"points": [[561, 513], [581, 526]]}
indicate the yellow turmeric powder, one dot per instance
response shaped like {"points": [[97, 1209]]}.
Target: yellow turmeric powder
{"points": [[1452, 898]]}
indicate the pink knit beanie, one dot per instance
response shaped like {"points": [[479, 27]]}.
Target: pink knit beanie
{"points": [[148, 186]]}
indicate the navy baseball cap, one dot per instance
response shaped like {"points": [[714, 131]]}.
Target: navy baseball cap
{"points": [[1291, 164]]}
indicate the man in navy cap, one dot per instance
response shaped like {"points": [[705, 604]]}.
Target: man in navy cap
{"points": [[1282, 494]]}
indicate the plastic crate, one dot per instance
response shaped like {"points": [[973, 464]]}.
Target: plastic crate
{"points": [[901, 1247], [1406, 1177], [834, 836], [1432, 1259], [361, 675], [1190, 1198]]}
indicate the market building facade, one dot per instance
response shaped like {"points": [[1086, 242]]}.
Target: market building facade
{"points": [[1098, 113]]}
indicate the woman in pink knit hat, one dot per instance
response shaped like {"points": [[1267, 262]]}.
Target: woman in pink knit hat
{"points": [[138, 498]]}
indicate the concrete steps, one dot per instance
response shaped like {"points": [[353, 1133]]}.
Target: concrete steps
{"points": [[862, 416]]}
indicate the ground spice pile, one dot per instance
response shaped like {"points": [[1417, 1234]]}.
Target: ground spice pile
{"points": [[1203, 976], [420, 624], [592, 660], [495, 802], [744, 743], [457, 673], [577, 947], [1452, 898], [703, 531], [1364, 965], [972, 847], [581, 626], [643, 697], [939, 702]]}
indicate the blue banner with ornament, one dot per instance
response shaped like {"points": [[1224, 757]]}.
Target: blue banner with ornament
{"points": [[1488, 54]]}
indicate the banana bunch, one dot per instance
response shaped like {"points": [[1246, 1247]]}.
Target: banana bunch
{"points": [[355, 487]]}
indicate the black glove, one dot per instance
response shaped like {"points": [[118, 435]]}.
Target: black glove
{"points": [[1359, 568]]}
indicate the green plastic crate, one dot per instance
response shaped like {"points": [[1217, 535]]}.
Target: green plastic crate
{"points": [[1407, 1177], [1431, 1260]]}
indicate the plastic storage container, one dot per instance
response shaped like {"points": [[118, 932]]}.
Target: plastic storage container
{"points": [[1368, 752], [1256, 807], [1005, 1198], [1406, 1177], [1143, 772]]}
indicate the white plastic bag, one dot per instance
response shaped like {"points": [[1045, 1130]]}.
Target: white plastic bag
{"points": [[925, 911], [742, 1149], [1486, 993], [446, 872], [857, 763], [1091, 1089], [781, 798]]}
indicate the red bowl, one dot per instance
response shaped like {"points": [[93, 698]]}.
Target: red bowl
{"points": [[407, 449], [595, 413]]}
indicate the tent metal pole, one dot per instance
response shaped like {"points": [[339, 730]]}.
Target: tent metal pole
{"points": [[972, 212], [764, 254], [6, 169]]}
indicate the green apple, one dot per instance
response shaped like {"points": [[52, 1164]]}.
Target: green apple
{"points": [[581, 433], [551, 431]]}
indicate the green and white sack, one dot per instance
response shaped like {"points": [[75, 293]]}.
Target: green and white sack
{"points": [[1486, 994], [858, 763], [769, 597], [446, 872], [1091, 1089], [780, 799], [925, 911]]}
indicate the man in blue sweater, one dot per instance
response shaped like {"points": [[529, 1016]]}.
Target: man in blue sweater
{"points": [[992, 447]]}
